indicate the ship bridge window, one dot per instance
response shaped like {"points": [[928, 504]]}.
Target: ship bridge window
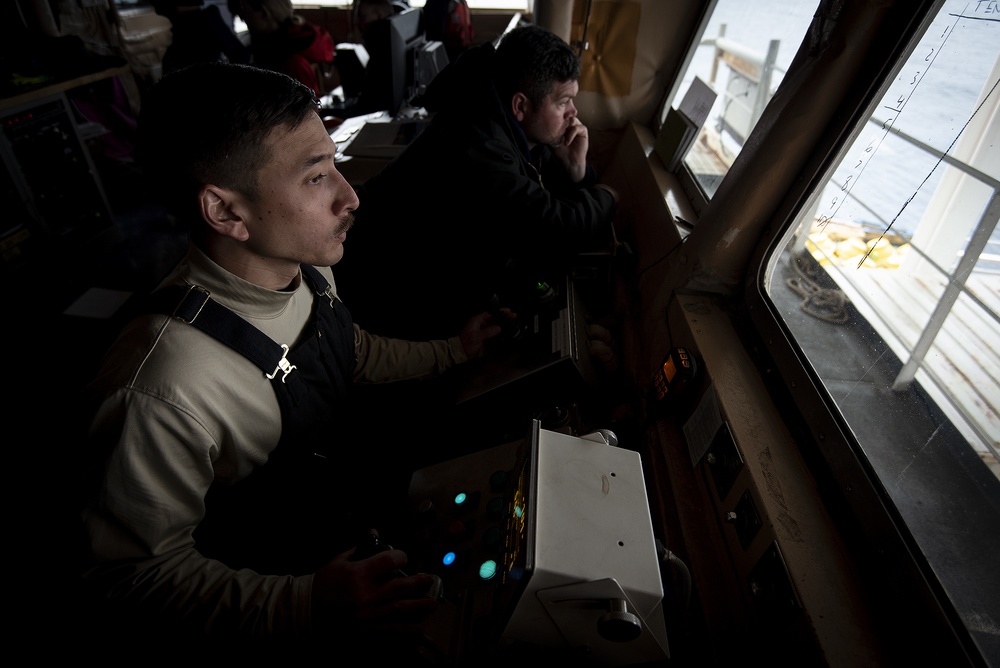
{"points": [[888, 284], [741, 56], [516, 5]]}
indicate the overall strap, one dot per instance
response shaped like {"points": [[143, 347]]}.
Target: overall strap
{"points": [[195, 306], [316, 281], [322, 288]]}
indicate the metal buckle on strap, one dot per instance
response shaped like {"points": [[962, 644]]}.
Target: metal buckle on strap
{"points": [[329, 295], [205, 295], [283, 365]]}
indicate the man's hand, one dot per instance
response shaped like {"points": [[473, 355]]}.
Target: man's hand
{"points": [[477, 331], [572, 152], [359, 599]]}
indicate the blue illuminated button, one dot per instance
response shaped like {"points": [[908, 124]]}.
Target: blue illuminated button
{"points": [[460, 498], [487, 569], [448, 559]]}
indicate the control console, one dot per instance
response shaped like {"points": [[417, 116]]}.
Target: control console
{"points": [[542, 543]]}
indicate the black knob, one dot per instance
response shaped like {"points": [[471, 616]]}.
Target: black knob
{"points": [[495, 508], [498, 480], [618, 624]]}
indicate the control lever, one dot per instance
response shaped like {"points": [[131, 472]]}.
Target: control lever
{"points": [[509, 329], [371, 544]]}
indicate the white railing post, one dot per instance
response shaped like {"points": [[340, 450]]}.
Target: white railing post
{"points": [[977, 242]]}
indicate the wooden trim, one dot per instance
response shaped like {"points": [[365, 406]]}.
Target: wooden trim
{"points": [[68, 84]]}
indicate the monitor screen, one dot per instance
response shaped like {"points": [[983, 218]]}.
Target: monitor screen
{"points": [[406, 37], [351, 61], [401, 63]]}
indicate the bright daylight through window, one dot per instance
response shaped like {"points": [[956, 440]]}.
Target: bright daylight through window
{"points": [[902, 236], [889, 284], [745, 49]]}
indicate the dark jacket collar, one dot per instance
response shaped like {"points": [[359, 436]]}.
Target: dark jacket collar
{"points": [[466, 87]]}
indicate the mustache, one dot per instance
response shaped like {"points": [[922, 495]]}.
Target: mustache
{"points": [[346, 223]]}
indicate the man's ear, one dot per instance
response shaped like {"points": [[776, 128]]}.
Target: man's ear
{"points": [[223, 211], [520, 106]]}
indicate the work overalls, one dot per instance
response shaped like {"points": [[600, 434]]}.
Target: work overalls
{"points": [[293, 514]]}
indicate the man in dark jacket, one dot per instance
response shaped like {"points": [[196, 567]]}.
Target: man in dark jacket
{"points": [[199, 33], [493, 196], [283, 41]]}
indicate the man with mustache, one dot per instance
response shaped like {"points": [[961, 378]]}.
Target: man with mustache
{"points": [[222, 504], [492, 197]]}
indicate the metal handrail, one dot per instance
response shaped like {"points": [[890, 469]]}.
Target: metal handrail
{"points": [[955, 282]]}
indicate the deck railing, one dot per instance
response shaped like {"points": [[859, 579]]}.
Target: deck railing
{"points": [[955, 285], [744, 95]]}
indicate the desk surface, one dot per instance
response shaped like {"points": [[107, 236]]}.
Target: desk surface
{"points": [[356, 170], [358, 163]]}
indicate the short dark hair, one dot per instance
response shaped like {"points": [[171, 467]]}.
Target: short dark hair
{"points": [[531, 60], [208, 123]]}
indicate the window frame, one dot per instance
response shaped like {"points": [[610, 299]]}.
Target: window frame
{"points": [[843, 471], [688, 182]]}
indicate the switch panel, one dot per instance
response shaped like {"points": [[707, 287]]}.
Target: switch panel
{"points": [[770, 586]]}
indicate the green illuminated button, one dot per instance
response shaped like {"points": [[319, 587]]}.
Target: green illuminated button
{"points": [[465, 502], [487, 569]]}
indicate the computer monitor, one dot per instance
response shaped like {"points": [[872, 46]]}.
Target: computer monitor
{"points": [[351, 61], [398, 63], [431, 58], [406, 37]]}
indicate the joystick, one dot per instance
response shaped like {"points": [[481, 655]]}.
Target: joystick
{"points": [[509, 329], [371, 544]]}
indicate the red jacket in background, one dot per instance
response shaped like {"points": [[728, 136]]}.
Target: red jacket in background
{"points": [[293, 50]]}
